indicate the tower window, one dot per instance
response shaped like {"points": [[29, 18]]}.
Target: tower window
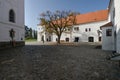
{"points": [[12, 16]]}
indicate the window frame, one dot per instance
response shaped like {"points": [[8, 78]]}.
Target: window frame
{"points": [[108, 32]]}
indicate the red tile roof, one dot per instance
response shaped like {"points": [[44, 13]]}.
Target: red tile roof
{"points": [[92, 17], [107, 25]]}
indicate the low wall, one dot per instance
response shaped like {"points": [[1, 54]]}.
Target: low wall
{"points": [[4, 45]]}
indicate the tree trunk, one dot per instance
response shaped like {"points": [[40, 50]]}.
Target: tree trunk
{"points": [[58, 41]]}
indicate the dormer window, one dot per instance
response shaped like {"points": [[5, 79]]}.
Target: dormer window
{"points": [[12, 16]]}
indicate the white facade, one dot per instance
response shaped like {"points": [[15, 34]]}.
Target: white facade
{"points": [[5, 25], [108, 41], [92, 31], [87, 28], [17, 6], [91, 35], [40, 32], [114, 17], [117, 24]]}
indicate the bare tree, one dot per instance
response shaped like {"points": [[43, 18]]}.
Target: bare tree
{"points": [[57, 22]]}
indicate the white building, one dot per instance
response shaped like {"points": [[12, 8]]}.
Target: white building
{"points": [[87, 28], [11, 21], [111, 30]]}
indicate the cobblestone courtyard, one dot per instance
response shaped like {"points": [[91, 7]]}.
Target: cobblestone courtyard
{"points": [[57, 62]]}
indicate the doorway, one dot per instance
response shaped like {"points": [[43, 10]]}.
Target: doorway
{"points": [[91, 39], [42, 38], [49, 38], [100, 39], [76, 39], [67, 39]]}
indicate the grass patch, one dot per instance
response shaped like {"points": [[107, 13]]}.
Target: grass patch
{"points": [[30, 40]]}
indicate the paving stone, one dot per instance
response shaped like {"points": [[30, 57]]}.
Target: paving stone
{"points": [[57, 62]]}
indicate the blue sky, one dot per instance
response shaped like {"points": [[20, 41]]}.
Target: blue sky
{"points": [[33, 8]]}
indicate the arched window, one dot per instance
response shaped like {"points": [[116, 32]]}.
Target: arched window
{"points": [[12, 16]]}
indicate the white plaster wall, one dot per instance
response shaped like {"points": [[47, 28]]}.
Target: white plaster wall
{"points": [[117, 23], [76, 34], [47, 36], [5, 25], [107, 41], [4, 32], [64, 36], [39, 36], [83, 35], [39, 32], [17, 6], [111, 11], [54, 38]]}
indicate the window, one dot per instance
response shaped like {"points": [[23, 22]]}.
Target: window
{"points": [[90, 39], [76, 28], [89, 29], [68, 29], [86, 30], [100, 39], [42, 38], [109, 32], [67, 39], [65, 29], [11, 16]]}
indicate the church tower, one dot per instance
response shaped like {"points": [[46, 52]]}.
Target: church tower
{"points": [[11, 23]]}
